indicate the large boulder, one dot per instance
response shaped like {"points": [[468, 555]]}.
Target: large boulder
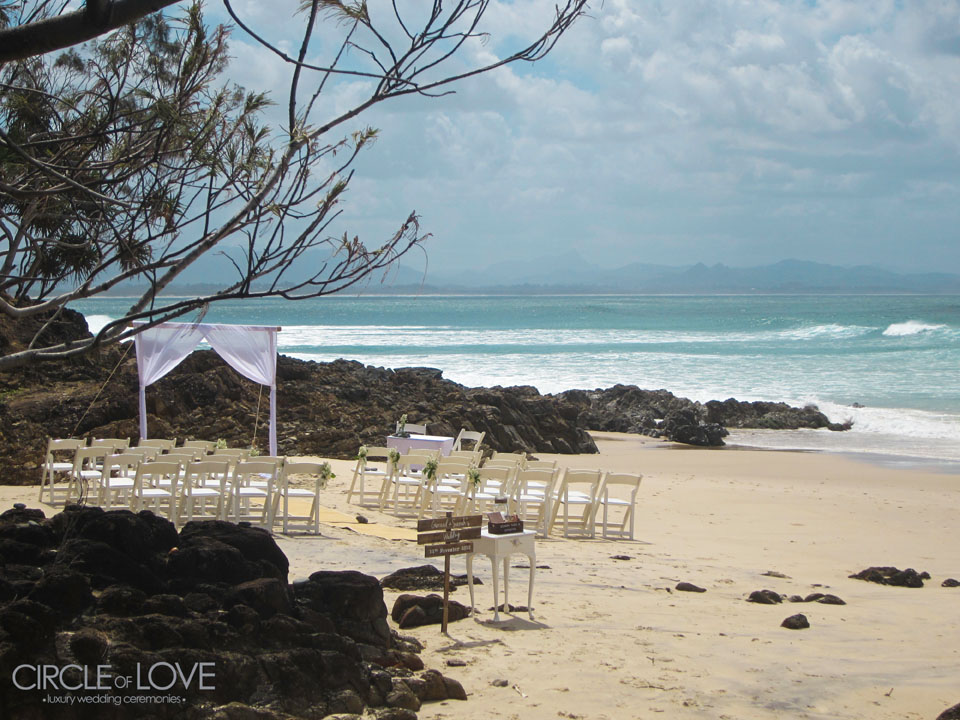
{"points": [[351, 600], [684, 426], [125, 594]]}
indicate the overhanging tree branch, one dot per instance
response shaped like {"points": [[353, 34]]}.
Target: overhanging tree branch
{"points": [[129, 163], [62, 31]]}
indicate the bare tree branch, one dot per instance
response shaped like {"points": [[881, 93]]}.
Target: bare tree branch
{"points": [[128, 163]]}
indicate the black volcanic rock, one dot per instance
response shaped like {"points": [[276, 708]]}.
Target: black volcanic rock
{"points": [[684, 426], [421, 577], [796, 622], [886, 575], [951, 713], [765, 597], [320, 647], [659, 413]]}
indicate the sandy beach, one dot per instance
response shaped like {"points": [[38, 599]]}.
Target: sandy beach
{"points": [[612, 638]]}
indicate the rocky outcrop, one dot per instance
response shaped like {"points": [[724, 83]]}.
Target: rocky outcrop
{"points": [[422, 577], [659, 413], [204, 619], [767, 415], [415, 610]]}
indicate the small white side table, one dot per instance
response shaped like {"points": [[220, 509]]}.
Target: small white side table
{"points": [[501, 547]]}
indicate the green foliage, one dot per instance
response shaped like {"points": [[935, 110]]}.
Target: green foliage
{"points": [[430, 470], [326, 474], [343, 12], [105, 143]]}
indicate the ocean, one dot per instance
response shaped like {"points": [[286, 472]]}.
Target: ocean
{"points": [[889, 363]]}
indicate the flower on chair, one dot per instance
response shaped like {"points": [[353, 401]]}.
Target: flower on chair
{"points": [[401, 426], [326, 473], [394, 457], [430, 470], [362, 457], [473, 475]]}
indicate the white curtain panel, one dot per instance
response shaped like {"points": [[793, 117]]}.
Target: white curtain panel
{"points": [[250, 350]]}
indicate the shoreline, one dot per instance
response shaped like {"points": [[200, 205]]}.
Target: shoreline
{"points": [[741, 438], [875, 459]]}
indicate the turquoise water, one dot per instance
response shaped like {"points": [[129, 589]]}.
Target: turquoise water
{"points": [[898, 356]]}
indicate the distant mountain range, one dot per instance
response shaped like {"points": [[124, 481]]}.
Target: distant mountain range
{"points": [[571, 273]]}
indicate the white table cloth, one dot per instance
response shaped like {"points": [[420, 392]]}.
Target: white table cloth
{"points": [[421, 442]]}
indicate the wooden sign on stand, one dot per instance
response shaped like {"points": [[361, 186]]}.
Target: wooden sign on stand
{"points": [[448, 536]]}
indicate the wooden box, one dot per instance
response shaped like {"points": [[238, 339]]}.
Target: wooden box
{"points": [[505, 528]]}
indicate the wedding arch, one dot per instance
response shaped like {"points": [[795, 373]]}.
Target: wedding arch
{"points": [[251, 350]]}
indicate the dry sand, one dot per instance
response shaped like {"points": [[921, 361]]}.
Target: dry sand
{"points": [[612, 639]]}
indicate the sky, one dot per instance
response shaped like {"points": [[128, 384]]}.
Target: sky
{"points": [[674, 132]]}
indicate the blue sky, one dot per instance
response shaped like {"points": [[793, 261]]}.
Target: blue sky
{"points": [[673, 133]]}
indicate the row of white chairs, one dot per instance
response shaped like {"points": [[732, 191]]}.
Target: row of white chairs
{"points": [[581, 501], [189, 484], [68, 457]]}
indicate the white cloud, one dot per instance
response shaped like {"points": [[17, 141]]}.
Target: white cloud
{"points": [[678, 131]]}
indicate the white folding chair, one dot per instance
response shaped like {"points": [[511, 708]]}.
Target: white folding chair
{"points": [[58, 461], [208, 446], [628, 483], [309, 522], [530, 499], [162, 444], [145, 453], [494, 483], [155, 488], [86, 471], [519, 458], [374, 468], [403, 485], [577, 490], [204, 494], [447, 490], [234, 455], [413, 428], [252, 486], [116, 480], [115, 444], [468, 435]]}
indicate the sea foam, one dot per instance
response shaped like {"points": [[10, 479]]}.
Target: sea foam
{"points": [[911, 327]]}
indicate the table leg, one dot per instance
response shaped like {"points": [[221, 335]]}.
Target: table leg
{"points": [[496, 589], [533, 567], [506, 584]]}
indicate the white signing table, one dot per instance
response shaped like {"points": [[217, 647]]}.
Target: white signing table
{"points": [[421, 442], [501, 547]]}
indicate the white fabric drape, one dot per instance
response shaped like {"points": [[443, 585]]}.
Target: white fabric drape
{"points": [[251, 350]]}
